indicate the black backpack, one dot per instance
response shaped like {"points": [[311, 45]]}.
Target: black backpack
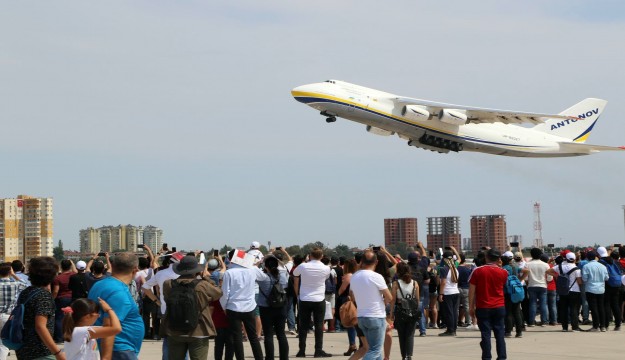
{"points": [[277, 295], [330, 284], [183, 309], [407, 306], [562, 281]]}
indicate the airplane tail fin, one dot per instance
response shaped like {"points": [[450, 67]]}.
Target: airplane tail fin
{"points": [[587, 110]]}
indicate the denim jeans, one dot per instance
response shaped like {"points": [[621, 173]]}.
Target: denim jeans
{"points": [[552, 306], [273, 320], [539, 293], [351, 336], [124, 355], [374, 330], [585, 308], [423, 302], [290, 314], [492, 319], [568, 308], [450, 303], [405, 334], [595, 304]]}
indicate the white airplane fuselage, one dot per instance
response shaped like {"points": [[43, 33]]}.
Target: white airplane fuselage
{"points": [[383, 116]]}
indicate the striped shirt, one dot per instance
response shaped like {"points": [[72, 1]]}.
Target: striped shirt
{"points": [[9, 291]]}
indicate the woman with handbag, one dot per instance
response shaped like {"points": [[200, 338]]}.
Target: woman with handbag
{"points": [[405, 310], [349, 268]]}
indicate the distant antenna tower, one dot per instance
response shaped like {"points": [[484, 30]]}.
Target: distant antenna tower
{"points": [[623, 213], [538, 227]]}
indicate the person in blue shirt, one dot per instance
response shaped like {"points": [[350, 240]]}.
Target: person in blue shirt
{"points": [[114, 290], [594, 276]]}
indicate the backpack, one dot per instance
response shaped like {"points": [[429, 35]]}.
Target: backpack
{"points": [[81, 291], [562, 281], [182, 306], [13, 330], [277, 295], [614, 273], [407, 306], [515, 289], [330, 285]]}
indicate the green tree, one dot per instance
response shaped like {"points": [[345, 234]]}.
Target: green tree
{"points": [[344, 250], [294, 250], [57, 252], [225, 249]]}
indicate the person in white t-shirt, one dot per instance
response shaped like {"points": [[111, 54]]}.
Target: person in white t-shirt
{"points": [[536, 273], [311, 294], [569, 304], [78, 330], [371, 295]]}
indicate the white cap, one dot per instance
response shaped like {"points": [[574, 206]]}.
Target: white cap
{"points": [[508, 254], [255, 245], [602, 252], [81, 265], [570, 256]]}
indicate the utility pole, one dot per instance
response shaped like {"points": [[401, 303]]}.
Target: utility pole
{"points": [[538, 227]]}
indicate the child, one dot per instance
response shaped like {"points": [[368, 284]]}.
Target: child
{"points": [[78, 332]]}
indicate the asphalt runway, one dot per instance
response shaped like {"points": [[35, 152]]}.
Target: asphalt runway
{"points": [[537, 343]]}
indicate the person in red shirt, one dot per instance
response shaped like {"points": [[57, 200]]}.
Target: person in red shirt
{"points": [[62, 295], [486, 301]]}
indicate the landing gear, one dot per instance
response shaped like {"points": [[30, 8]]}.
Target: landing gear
{"points": [[440, 143], [330, 118]]}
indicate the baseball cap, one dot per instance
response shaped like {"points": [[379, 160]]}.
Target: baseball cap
{"points": [[602, 252], [564, 252], [81, 265], [255, 245], [508, 254], [570, 256]]}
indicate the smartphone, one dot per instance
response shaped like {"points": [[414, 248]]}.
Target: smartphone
{"points": [[173, 249], [279, 248], [617, 245], [550, 246], [140, 246], [164, 246], [376, 248], [431, 253], [215, 253], [484, 248], [101, 254], [514, 244], [447, 248]]}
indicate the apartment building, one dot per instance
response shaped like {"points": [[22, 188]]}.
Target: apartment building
{"points": [[488, 230], [400, 230], [26, 228], [442, 232]]}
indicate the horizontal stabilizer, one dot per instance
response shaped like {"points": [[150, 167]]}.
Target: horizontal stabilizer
{"points": [[587, 148]]}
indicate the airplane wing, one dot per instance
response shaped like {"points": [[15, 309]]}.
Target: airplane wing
{"points": [[587, 148], [483, 115]]}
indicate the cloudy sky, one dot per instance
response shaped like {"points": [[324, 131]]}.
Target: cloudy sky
{"points": [[179, 114]]}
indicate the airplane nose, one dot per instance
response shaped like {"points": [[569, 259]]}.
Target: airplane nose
{"points": [[300, 92]]}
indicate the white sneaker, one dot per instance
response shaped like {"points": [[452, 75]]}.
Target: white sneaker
{"points": [[475, 327]]}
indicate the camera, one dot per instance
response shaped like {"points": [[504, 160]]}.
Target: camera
{"points": [[514, 244], [376, 248], [173, 249], [279, 248], [140, 246]]}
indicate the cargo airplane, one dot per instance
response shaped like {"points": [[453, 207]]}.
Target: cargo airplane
{"points": [[444, 127]]}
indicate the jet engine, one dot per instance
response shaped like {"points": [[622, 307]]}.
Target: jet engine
{"points": [[453, 117], [378, 131], [414, 112]]}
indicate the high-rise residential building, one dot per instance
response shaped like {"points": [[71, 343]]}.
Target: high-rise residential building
{"points": [[442, 232], [120, 237], [26, 228], [153, 237], [402, 230], [488, 230], [90, 241]]}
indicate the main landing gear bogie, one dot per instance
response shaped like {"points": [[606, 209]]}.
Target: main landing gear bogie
{"points": [[331, 119], [435, 141]]}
